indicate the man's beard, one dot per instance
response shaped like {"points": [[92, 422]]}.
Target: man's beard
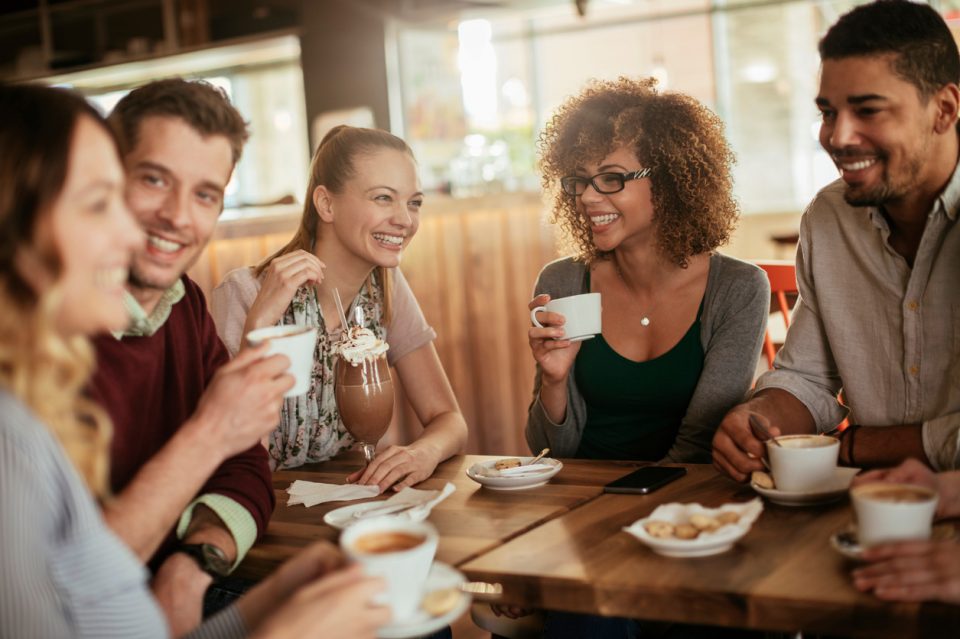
{"points": [[888, 190]]}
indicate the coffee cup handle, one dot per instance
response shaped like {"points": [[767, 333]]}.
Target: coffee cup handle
{"points": [[533, 316]]}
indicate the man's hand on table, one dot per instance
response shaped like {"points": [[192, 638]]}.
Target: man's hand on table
{"points": [[179, 587]]}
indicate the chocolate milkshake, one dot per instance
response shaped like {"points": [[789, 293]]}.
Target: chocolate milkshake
{"points": [[364, 390]]}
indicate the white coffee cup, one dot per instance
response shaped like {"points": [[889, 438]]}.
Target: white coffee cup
{"points": [[297, 343], [803, 463], [386, 548], [892, 512], [581, 312]]}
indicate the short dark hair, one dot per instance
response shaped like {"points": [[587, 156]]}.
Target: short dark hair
{"points": [[201, 105], [926, 53]]}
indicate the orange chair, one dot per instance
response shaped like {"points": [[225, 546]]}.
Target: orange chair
{"points": [[783, 282]]}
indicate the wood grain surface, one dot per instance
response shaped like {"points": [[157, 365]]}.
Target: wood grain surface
{"points": [[472, 521], [782, 576]]}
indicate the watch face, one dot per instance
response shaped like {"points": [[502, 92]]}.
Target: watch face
{"points": [[215, 559]]}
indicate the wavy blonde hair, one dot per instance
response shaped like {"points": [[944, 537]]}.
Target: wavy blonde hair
{"points": [[677, 137], [46, 370], [332, 167]]}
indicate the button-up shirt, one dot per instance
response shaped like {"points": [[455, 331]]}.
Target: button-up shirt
{"points": [[887, 334]]}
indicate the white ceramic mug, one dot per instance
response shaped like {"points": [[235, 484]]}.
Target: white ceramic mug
{"points": [[404, 569], [581, 312], [803, 463], [892, 512], [297, 343]]}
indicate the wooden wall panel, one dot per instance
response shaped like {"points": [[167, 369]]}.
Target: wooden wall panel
{"points": [[472, 267]]}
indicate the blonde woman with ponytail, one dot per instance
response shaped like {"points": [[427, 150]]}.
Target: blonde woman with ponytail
{"points": [[361, 210]]}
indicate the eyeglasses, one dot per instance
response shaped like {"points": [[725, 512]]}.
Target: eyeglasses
{"points": [[605, 183]]}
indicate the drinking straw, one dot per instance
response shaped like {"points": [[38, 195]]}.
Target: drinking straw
{"points": [[343, 317]]}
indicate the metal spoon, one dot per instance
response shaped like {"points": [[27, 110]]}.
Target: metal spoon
{"points": [[758, 427], [537, 458]]}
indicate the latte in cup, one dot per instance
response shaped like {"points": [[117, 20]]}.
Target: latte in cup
{"points": [[892, 512], [389, 541], [803, 463], [400, 552]]}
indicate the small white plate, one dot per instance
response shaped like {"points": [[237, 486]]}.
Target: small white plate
{"points": [[520, 482], [706, 544], [831, 491], [441, 576]]}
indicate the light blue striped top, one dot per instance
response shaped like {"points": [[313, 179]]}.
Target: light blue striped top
{"points": [[62, 571]]}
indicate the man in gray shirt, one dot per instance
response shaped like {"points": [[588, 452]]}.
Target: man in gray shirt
{"points": [[878, 266]]}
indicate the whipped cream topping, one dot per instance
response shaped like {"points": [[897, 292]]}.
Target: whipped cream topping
{"points": [[359, 344]]}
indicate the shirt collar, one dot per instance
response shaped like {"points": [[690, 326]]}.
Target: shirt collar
{"points": [[143, 325]]}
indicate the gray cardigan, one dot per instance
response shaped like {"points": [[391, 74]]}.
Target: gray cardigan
{"points": [[735, 307]]}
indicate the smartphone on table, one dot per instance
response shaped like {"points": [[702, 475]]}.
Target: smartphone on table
{"points": [[645, 480]]}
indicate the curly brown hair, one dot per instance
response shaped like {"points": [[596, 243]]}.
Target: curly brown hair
{"points": [[672, 133]]}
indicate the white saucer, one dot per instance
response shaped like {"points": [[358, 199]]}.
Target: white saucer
{"points": [[514, 483], [847, 544], [441, 576], [831, 491]]}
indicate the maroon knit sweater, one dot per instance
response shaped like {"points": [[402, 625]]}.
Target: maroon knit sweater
{"points": [[152, 385]]}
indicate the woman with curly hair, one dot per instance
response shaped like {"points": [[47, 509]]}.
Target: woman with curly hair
{"points": [[642, 190], [643, 196]]}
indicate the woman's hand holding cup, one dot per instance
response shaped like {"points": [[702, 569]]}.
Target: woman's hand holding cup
{"points": [[554, 354]]}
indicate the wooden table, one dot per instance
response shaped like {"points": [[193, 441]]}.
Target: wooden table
{"points": [[782, 576], [471, 522]]}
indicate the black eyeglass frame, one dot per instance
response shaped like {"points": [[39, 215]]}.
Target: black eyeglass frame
{"points": [[576, 180]]}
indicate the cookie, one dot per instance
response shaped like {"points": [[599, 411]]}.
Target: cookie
{"points": [[509, 462], [440, 602], [704, 523], [761, 479], [728, 517], [659, 529], [686, 531]]}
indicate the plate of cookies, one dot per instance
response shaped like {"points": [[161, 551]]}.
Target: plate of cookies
{"points": [[514, 473], [692, 530]]}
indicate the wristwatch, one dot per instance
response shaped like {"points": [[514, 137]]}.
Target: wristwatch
{"points": [[211, 559]]}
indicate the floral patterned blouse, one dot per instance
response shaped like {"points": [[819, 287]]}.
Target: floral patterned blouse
{"points": [[310, 429]]}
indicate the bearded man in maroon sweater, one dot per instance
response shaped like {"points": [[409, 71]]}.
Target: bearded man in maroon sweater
{"points": [[192, 483]]}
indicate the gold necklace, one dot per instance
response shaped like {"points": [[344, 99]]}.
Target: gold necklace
{"points": [[644, 318]]}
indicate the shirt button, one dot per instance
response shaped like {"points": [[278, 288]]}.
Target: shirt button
{"points": [[914, 370], [913, 306]]}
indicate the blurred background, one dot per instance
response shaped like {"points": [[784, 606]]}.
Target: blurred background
{"points": [[469, 84]]}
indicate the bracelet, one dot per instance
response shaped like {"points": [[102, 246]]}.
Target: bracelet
{"points": [[850, 433]]}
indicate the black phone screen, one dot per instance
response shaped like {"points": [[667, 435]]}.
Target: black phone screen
{"points": [[645, 480]]}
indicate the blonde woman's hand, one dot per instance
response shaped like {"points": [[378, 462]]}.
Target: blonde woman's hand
{"points": [[281, 280], [912, 571], [555, 356]]}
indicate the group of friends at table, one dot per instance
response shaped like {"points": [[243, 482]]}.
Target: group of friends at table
{"points": [[138, 432]]}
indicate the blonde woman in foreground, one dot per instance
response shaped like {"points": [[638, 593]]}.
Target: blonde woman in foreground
{"points": [[65, 246]]}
